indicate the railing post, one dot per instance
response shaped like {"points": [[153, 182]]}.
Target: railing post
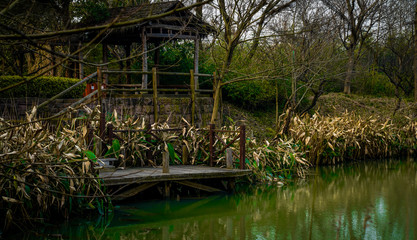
{"points": [[155, 94], [90, 137], [165, 162], [110, 133], [192, 86], [184, 155], [211, 137], [99, 80], [102, 114], [229, 158], [102, 131], [242, 144], [148, 140]]}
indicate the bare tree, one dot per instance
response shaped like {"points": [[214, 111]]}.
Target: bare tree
{"points": [[234, 24], [357, 17]]}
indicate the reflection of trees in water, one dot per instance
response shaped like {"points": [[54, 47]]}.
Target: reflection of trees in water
{"points": [[355, 201]]}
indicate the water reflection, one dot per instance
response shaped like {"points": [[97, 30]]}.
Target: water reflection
{"points": [[356, 201]]}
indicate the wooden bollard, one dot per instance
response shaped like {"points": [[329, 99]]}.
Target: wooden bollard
{"points": [[229, 158], [165, 162], [184, 155]]}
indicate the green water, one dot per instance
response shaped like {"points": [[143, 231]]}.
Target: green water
{"points": [[355, 201]]}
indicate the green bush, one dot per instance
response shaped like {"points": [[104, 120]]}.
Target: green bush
{"points": [[373, 83], [251, 94], [43, 87]]}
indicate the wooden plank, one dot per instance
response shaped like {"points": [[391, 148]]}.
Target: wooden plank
{"points": [[132, 192], [199, 186], [177, 173]]}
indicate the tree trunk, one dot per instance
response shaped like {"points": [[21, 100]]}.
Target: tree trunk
{"points": [[350, 69], [216, 102]]}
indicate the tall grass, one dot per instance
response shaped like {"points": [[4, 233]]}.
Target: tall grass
{"points": [[328, 140], [46, 174]]}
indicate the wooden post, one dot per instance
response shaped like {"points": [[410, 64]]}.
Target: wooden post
{"points": [[105, 60], [167, 190], [165, 162], [211, 138], [157, 61], [102, 114], [184, 155], [148, 140], [128, 63], [229, 158], [192, 86], [242, 146], [99, 80], [90, 137], [144, 60], [110, 133], [196, 56], [53, 60], [155, 94], [81, 65], [102, 131]]}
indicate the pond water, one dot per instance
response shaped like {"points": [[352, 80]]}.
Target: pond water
{"points": [[373, 200]]}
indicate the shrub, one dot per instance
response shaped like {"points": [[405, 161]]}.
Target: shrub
{"points": [[251, 95], [43, 87]]}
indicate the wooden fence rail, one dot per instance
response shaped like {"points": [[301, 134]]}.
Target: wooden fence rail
{"points": [[192, 88], [212, 134]]}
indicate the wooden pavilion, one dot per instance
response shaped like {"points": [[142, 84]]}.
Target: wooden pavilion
{"points": [[174, 25]]}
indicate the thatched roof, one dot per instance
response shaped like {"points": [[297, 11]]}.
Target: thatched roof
{"points": [[179, 25]]}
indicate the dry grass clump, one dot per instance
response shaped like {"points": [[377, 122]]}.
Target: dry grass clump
{"points": [[276, 161], [328, 140], [45, 174]]}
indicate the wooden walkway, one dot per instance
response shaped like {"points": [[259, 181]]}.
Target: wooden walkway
{"points": [[176, 173]]}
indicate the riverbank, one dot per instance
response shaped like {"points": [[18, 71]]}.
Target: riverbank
{"points": [[53, 171]]}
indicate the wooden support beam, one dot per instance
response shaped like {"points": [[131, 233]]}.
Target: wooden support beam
{"points": [[53, 60], [192, 87], [128, 63], [155, 94], [148, 135], [105, 60], [157, 60], [167, 189], [198, 186], [196, 58], [134, 191], [144, 60], [81, 65]]}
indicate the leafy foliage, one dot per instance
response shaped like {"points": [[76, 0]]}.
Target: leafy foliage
{"points": [[45, 174], [43, 87]]}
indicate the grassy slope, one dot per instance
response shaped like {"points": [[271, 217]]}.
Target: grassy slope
{"points": [[334, 104], [261, 123]]}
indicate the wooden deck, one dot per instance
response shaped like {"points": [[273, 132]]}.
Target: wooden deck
{"points": [[177, 173]]}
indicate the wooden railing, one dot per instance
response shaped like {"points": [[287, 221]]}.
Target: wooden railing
{"points": [[211, 133], [192, 88]]}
